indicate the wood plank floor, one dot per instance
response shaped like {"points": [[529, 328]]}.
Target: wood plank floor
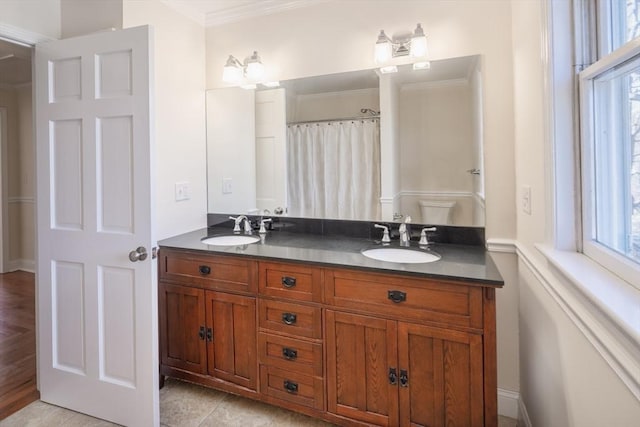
{"points": [[17, 342]]}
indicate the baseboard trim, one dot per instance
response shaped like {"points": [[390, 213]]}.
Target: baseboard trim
{"points": [[21, 264], [523, 415], [508, 403]]}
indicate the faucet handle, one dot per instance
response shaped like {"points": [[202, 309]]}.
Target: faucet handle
{"points": [[263, 230], [385, 233], [423, 236], [236, 227]]}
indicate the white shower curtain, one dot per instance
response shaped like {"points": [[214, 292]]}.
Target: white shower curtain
{"points": [[334, 169]]}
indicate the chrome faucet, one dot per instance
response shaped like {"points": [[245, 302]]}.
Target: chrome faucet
{"points": [[423, 236], [239, 219], [405, 236], [385, 233]]}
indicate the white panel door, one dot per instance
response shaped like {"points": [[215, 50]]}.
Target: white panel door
{"points": [[271, 157], [97, 309]]}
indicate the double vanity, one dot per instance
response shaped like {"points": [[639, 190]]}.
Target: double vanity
{"points": [[303, 320]]}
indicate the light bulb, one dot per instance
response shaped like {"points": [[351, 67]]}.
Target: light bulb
{"points": [[255, 68], [255, 71], [418, 43], [232, 72], [383, 49]]}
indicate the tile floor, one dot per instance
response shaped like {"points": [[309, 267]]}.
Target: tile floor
{"points": [[183, 405]]}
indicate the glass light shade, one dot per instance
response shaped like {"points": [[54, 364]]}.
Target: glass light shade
{"points": [[383, 49], [419, 46], [232, 74], [255, 71], [418, 43]]}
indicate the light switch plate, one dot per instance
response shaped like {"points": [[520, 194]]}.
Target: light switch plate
{"points": [[227, 185], [526, 199], [183, 191]]}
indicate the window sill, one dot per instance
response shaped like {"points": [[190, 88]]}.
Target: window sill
{"points": [[603, 306]]}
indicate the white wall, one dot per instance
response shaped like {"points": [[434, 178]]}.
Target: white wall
{"points": [[37, 16], [22, 185], [179, 115], [436, 139], [20, 176], [564, 381], [231, 150], [87, 16], [338, 36], [389, 149]]}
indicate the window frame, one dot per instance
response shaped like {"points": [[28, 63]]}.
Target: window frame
{"points": [[620, 265], [603, 306]]}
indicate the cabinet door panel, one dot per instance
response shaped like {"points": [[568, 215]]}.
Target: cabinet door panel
{"points": [[181, 319], [444, 383], [232, 351], [360, 352]]}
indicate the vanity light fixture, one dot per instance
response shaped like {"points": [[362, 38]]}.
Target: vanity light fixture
{"points": [[246, 73], [402, 48]]}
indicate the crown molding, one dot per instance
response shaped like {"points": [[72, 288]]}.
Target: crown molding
{"points": [[185, 10], [251, 10], [21, 36]]}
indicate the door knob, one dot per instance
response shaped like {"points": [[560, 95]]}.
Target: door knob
{"points": [[140, 254]]}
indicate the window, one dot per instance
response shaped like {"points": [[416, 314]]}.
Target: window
{"points": [[610, 141]]}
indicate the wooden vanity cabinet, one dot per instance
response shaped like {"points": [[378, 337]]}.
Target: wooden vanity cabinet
{"points": [[412, 356], [204, 331], [290, 351], [391, 373], [352, 347]]}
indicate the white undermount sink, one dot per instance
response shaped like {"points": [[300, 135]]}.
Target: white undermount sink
{"points": [[231, 240], [401, 255]]}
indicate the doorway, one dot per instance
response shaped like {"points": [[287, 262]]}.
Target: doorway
{"points": [[17, 229], [17, 159]]}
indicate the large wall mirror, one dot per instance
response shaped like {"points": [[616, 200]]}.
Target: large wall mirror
{"points": [[358, 145]]}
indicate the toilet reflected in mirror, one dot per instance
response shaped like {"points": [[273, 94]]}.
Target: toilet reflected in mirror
{"points": [[436, 211]]}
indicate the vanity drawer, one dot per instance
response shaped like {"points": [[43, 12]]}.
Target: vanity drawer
{"points": [[405, 298], [290, 318], [292, 386], [290, 354], [290, 281], [209, 271]]}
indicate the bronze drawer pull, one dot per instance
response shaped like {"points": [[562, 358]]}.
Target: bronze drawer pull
{"points": [[404, 378], [204, 269], [289, 353], [290, 386], [397, 296], [201, 333], [393, 376], [289, 318], [288, 282]]}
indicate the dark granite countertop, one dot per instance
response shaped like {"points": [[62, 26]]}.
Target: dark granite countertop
{"points": [[458, 262]]}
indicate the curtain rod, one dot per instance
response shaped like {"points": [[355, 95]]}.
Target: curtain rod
{"points": [[346, 119]]}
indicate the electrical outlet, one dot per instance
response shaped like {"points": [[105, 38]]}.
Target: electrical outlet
{"points": [[227, 185], [526, 199], [183, 191]]}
